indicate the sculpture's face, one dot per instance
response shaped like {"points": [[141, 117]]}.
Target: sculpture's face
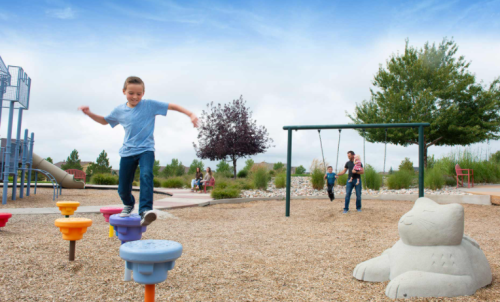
{"points": [[430, 224]]}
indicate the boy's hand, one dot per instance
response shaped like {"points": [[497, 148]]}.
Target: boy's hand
{"points": [[194, 120], [84, 109], [336, 176]]}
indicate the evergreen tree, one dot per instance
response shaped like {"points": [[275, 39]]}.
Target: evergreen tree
{"points": [[248, 164], [431, 85], [175, 168], [156, 168], [223, 167], [391, 171], [101, 166], [72, 162], [49, 159], [278, 166], [196, 164]]}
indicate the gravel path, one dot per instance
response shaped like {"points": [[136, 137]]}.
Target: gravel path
{"points": [[87, 197], [241, 252]]}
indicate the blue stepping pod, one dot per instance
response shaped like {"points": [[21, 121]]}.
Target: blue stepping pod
{"points": [[150, 260]]}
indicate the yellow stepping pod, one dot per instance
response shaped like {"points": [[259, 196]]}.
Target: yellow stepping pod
{"points": [[73, 228], [67, 208]]}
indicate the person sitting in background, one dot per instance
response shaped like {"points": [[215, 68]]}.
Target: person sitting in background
{"points": [[197, 177], [205, 179]]}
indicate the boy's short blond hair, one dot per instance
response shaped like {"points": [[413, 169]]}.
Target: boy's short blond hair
{"points": [[134, 80]]}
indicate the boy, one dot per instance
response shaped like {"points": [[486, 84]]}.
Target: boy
{"points": [[137, 117], [330, 177]]}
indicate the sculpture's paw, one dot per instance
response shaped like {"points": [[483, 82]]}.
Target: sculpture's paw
{"points": [[397, 289], [373, 270]]}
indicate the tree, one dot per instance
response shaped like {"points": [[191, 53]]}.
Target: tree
{"points": [[248, 164], [223, 167], [407, 165], [101, 166], [196, 164], [278, 166], [175, 168], [391, 171], [300, 170], [228, 132], [72, 162], [49, 159], [431, 85], [156, 168]]}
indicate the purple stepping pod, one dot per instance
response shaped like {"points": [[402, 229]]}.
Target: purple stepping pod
{"points": [[127, 228]]}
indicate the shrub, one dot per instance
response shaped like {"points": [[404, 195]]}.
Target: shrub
{"points": [[406, 165], [272, 173], [280, 181], [342, 180], [104, 179], [219, 193], [400, 180], [260, 178], [495, 157], [222, 183], [173, 182], [300, 170], [135, 183], [243, 174], [156, 182], [434, 179], [246, 185], [372, 180], [450, 181], [318, 164], [317, 179], [278, 166]]}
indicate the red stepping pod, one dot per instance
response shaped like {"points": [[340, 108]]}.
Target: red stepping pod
{"points": [[4, 217]]}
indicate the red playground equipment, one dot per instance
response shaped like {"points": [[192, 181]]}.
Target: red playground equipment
{"points": [[77, 174], [469, 173], [4, 217]]}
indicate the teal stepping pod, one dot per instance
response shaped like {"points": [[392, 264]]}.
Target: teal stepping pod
{"points": [[150, 260]]}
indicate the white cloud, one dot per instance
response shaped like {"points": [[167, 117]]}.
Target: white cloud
{"points": [[61, 13], [312, 84]]}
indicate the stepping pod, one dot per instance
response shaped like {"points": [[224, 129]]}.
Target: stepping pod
{"points": [[4, 217], [73, 229], [127, 229], [107, 212], [150, 260], [67, 208]]}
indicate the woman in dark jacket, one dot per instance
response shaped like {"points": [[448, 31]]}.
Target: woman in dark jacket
{"points": [[197, 178]]}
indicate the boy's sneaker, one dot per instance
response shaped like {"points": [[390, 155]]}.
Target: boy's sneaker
{"points": [[359, 210], [127, 210], [147, 217], [345, 212]]}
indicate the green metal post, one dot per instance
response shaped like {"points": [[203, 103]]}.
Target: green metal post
{"points": [[421, 161], [288, 172]]}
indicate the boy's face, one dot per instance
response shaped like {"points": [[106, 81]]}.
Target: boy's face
{"points": [[134, 93], [330, 170]]}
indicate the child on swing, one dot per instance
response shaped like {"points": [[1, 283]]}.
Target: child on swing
{"points": [[357, 167], [330, 177]]}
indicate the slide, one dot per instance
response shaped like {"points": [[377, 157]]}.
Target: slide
{"points": [[63, 178]]}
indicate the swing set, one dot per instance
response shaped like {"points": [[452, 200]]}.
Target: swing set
{"points": [[420, 127]]}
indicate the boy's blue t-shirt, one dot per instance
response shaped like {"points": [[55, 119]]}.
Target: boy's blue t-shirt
{"points": [[331, 178], [139, 125]]}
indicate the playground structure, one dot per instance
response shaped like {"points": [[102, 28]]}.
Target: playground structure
{"points": [[16, 155], [72, 229], [107, 212], [150, 260], [4, 218], [420, 127]]}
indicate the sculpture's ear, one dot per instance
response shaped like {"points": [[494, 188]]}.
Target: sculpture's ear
{"points": [[424, 202]]}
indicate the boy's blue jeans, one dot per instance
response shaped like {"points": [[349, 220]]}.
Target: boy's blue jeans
{"points": [[128, 165], [348, 188]]}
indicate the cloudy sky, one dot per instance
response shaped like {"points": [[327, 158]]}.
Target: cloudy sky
{"points": [[295, 62]]}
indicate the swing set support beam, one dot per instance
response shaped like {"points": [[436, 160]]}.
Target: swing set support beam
{"points": [[420, 127]]}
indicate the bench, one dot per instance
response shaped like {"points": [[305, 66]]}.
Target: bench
{"points": [[210, 183], [77, 174], [468, 172]]}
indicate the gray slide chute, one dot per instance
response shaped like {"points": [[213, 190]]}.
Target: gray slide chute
{"points": [[64, 179]]}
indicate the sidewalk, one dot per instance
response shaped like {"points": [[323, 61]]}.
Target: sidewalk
{"points": [[492, 190], [183, 198]]}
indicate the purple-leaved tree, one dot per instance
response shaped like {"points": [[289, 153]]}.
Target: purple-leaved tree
{"points": [[227, 132]]}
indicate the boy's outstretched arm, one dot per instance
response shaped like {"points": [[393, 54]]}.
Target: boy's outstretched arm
{"points": [[194, 118], [98, 118]]}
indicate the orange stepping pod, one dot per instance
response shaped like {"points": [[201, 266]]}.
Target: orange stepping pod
{"points": [[67, 208], [72, 229]]}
